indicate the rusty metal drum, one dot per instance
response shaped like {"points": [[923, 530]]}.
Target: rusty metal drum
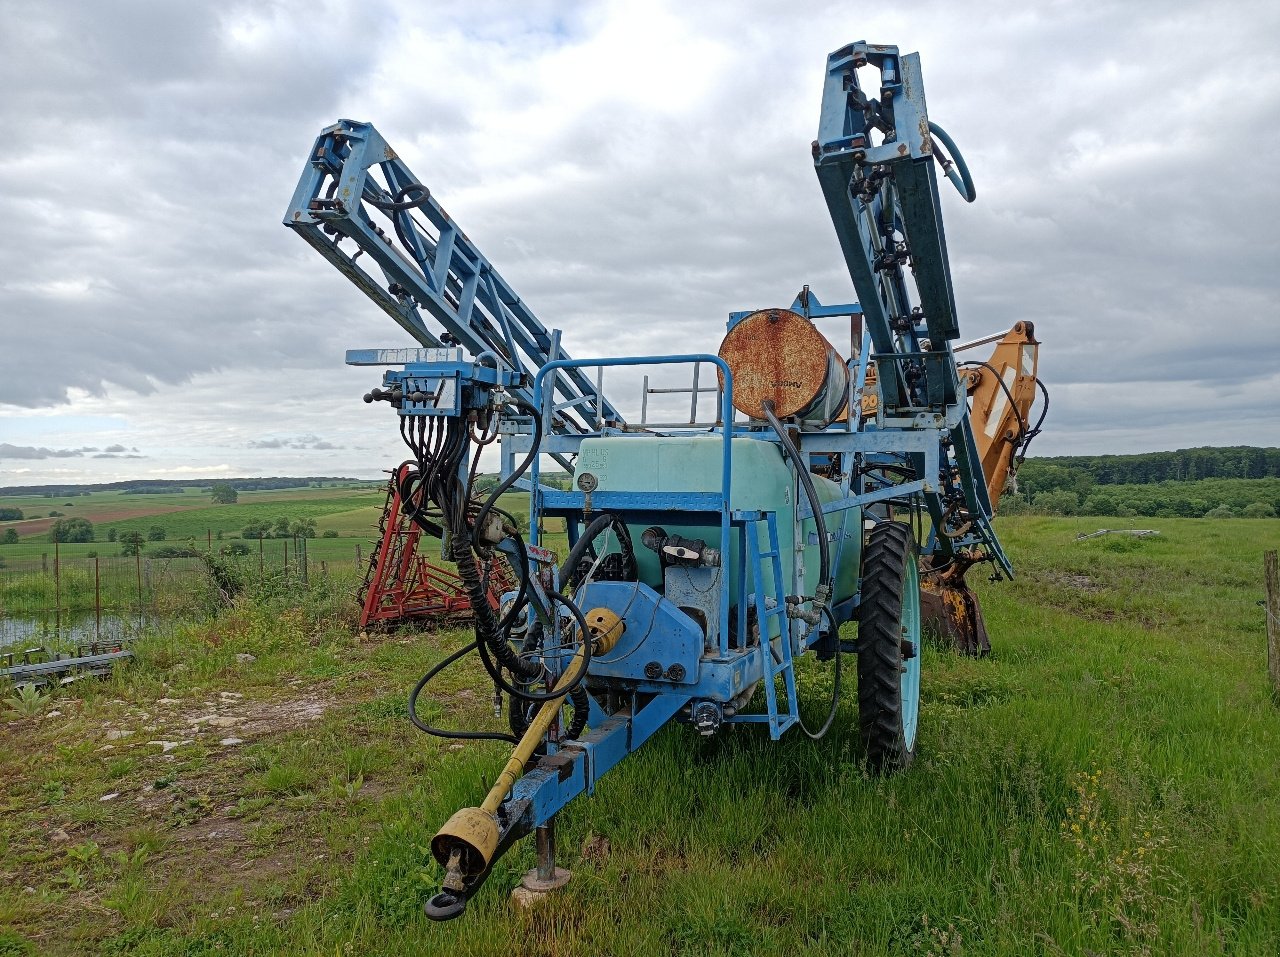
{"points": [[780, 356]]}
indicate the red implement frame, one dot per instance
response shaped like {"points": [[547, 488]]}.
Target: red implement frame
{"points": [[400, 584]]}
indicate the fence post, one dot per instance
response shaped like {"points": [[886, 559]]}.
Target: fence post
{"points": [[44, 563], [137, 563], [286, 556], [300, 550], [57, 590], [1272, 575], [260, 568], [97, 600], [208, 532]]}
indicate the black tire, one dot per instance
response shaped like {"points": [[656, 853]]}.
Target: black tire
{"points": [[886, 574]]}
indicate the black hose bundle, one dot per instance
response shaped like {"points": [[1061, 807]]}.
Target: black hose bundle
{"points": [[436, 495]]}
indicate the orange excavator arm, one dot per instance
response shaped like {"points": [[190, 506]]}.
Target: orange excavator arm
{"points": [[1002, 391]]}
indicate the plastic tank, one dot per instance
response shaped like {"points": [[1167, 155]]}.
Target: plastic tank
{"points": [[761, 481]]}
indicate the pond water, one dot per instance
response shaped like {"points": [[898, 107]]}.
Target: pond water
{"points": [[72, 629]]}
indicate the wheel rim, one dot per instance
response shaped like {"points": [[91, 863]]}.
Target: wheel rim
{"points": [[909, 684]]}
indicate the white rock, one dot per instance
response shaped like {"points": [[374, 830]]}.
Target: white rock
{"points": [[110, 797], [118, 734], [54, 714], [230, 695], [168, 701], [231, 741], [224, 721], [167, 746], [245, 659]]}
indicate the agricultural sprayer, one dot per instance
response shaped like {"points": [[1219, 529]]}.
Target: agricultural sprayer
{"points": [[704, 559]]}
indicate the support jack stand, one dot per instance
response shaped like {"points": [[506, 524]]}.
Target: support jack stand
{"points": [[546, 877]]}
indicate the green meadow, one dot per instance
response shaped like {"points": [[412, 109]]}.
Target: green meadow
{"points": [[1106, 782]]}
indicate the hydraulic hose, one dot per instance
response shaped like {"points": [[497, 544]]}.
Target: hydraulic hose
{"points": [[810, 492], [496, 673], [511, 479], [441, 732], [598, 525], [964, 182], [824, 553], [835, 687]]}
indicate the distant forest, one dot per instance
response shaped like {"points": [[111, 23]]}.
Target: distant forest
{"points": [[170, 486], [1191, 483], [1147, 468]]}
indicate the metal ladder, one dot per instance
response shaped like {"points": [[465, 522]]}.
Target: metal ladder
{"points": [[773, 664]]}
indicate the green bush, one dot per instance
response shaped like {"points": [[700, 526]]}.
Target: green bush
{"points": [[1061, 502], [155, 534], [1222, 511], [1258, 510], [174, 551], [71, 530], [10, 537], [329, 533]]}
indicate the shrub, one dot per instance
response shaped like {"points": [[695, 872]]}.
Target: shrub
{"points": [[1222, 511], [131, 543], [111, 534], [10, 537], [1057, 503], [1099, 505], [10, 514], [329, 533], [223, 493], [71, 530], [1258, 510], [155, 534], [174, 551]]}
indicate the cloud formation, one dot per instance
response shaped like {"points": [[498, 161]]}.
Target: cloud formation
{"points": [[636, 171], [8, 451], [297, 442]]}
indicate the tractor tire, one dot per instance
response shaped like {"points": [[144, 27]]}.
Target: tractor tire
{"points": [[889, 648]]}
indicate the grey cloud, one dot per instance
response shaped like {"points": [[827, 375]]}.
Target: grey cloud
{"points": [[8, 451], [117, 448], [299, 442]]}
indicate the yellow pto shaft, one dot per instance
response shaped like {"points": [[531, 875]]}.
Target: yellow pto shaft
{"points": [[466, 844]]}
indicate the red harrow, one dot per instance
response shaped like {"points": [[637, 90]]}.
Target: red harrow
{"points": [[401, 584]]}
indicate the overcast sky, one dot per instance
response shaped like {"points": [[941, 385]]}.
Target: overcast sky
{"points": [[636, 171]]}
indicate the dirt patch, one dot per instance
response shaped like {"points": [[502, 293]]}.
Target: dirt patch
{"points": [[1076, 582]]}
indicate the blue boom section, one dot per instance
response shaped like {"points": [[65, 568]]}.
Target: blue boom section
{"points": [[884, 203], [430, 266]]}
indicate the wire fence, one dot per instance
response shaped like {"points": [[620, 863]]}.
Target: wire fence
{"points": [[79, 599]]}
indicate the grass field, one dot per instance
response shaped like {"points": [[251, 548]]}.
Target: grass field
{"points": [[190, 514], [1105, 783]]}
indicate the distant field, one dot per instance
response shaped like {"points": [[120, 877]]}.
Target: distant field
{"points": [[189, 515]]}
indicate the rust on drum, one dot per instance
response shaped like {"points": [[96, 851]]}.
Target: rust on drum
{"points": [[780, 356]]}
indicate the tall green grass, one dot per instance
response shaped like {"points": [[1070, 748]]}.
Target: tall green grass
{"points": [[1105, 783]]}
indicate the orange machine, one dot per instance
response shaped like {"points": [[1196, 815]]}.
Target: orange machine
{"points": [[1001, 393]]}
